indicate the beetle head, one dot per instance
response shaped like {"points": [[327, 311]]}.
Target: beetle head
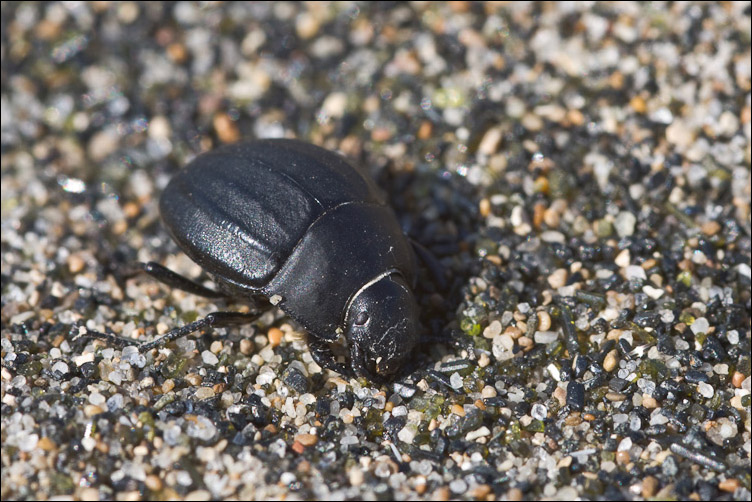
{"points": [[382, 327]]}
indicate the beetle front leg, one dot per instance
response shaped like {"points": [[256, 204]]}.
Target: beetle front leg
{"points": [[177, 281], [358, 363], [215, 319], [323, 356], [454, 340]]}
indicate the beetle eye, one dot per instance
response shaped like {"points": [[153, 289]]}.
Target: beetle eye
{"points": [[361, 318]]}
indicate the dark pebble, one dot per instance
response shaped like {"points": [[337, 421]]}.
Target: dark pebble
{"points": [[570, 333], [456, 365], [600, 325], [294, 378], [707, 491], [346, 399], [522, 409], [392, 426], [177, 408], [405, 391], [472, 420], [624, 347], [656, 430], [77, 385], [712, 350], [595, 382], [694, 376], [670, 466], [22, 358], [454, 429], [440, 378], [579, 365], [323, 406], [576, 395], [610, 444], [89, 370], [238, 416], [260, 413], [598, 357], [674, 390], [566, 373], [49, 302], [666, 345], [495, 401], [684, 486]]}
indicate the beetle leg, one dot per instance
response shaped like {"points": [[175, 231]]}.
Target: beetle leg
{"points": [[432, 264], [215, 319], [454, 340], [172, 279], [324, 357], [111, 338], [358, 362]]}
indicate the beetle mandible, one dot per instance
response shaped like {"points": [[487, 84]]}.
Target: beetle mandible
{"points": [[285, 222]]}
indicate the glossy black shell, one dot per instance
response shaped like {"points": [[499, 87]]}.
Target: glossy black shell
{"points": [[289, 219]]}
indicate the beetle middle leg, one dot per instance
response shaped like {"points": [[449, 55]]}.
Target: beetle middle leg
{"points": [[177, 281], [438, 272], [215, 320]]}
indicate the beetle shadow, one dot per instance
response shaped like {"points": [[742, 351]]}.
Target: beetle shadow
{"points": [[438, 210]]}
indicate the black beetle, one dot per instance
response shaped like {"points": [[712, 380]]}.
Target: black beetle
{"points": [[287, 223]]}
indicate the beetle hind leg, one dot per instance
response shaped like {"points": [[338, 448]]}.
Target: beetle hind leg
{"points": [[111, 338], [177, 281], [215, 320]]}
